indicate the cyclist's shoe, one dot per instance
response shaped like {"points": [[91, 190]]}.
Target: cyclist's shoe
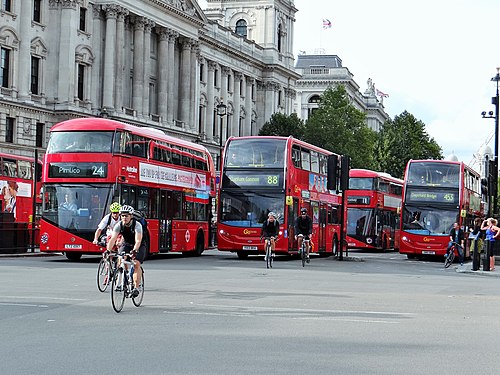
{"points": [[135, 293], [272, 254], [307, 259], [265, 258], [118, 288]]}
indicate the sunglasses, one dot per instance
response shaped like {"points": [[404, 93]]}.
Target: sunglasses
{"points": [[125, 215]]}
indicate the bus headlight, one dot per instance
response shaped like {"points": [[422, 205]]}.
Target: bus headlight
{"points": [[406, 239]]}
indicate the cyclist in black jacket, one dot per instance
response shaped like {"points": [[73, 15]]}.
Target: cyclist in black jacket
{"points": [[270, 230], [303, 229]]}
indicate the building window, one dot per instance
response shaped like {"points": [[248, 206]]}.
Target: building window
{"points": [[280, 99], [7, 5], [253, 91], [80, 81], [202, 67], [4, 67], [40, 128], [229, 83], [280, 35], [83, 19], [241, 28], [37, 11], [216, 76], [35, 74], [9, 132]]}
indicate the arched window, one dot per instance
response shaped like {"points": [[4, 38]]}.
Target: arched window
{"points": [[314, 99], [241, 28]]}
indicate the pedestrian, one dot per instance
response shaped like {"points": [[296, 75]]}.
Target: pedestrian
{"points": [[492, 232]]}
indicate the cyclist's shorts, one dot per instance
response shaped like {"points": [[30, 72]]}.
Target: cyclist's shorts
{"points": [[141, 254]]}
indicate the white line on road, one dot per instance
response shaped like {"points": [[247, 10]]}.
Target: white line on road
{"points": [[45, 297], [21, 304]]}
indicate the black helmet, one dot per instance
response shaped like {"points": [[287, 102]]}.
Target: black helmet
{"points": [[303, 210]]}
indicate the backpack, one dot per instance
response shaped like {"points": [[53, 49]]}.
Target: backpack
{"points": [[139, 216]]}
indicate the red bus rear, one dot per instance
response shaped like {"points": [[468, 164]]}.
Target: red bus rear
{"points": [[97, 161], [436, 194], [279, 174], [17, 180], [373, 200]]}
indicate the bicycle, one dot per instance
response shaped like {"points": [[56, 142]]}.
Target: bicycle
{"points": [[450, 255], [269, 252], [303, 250], [123, 284], [106, 270]]}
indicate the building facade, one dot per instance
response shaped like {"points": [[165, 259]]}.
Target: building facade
{"points": [[319, 72], [158, 63]]}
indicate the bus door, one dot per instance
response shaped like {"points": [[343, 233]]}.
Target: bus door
{"points": [[293, 211], [165, 224], [322, 227]]}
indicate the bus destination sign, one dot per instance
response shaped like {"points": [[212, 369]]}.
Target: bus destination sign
{"points": [[254, 178], [433, 196], [78, 170]]}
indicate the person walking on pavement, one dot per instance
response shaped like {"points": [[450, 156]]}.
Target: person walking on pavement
{"points": [[492, 232]]}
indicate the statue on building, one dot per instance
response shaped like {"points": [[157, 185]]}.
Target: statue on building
{"points": [[371, 87]]}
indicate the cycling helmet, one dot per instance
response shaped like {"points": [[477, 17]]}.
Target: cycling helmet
{"points": [[115, 207], [303, 210], [125, 209], [271, 214]]}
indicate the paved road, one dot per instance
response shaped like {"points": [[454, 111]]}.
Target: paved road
{"points": [[219, 315]]}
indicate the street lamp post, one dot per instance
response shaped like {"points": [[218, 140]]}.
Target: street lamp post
{"points": [[221, 112], [495, 102]]}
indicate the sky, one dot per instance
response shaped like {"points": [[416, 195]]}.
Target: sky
{"points": [[435, 59]]}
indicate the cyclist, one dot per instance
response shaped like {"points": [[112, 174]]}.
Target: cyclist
{"points": [[108, 222], [131, 231], [457, 236], [303, 230], [270, 230]]}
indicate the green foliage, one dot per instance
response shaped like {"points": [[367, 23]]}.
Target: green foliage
{"points": [[400, 140], [339, 127], [282, 125]]}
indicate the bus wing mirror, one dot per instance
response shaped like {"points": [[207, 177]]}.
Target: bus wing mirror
{"points": [[344, 173], [332, 172]]}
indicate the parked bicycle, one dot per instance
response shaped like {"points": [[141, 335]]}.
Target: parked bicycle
{"points": [[303, 251], [450, 255], [105, 270], [269, 252], [123, 284]]}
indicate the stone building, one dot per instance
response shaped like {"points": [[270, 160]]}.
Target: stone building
{"points": [[159, 63], [320, 71]]}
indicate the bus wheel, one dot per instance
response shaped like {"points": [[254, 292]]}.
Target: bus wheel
{"points": [[335, 246], [242, 255], [199, 245], [384, 243], [73, 256], [410, 256]]}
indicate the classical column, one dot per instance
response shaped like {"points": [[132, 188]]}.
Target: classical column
{"points": [[147, 66], [23, 80], [195, 51], [96, 66], [163, 35], [120, 65], [138, 78], [248, 106], [111, 12], [185, 81], [171, 76], [235, 126], [210, 102], [67, 42]]}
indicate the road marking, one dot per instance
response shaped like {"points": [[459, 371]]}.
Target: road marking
{"points": [[45, 297], [21, 304]]}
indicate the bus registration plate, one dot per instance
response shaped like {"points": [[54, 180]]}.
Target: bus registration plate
{"points": [[249, 247], [72, 246], [428, 252]]}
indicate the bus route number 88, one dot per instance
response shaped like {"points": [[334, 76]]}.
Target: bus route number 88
{"points": [[272, 180]]}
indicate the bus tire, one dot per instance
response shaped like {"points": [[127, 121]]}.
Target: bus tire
{"points": [[410, 256], [242, 255], [73, 255], [200, 244], [384, 243], [335, 246]]}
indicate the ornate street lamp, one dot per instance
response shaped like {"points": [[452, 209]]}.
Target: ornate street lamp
{"points": [[221, 112]]}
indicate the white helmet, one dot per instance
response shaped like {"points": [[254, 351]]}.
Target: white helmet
{"points": [[125, 209]]}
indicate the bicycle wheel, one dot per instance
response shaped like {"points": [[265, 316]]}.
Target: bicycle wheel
{"points": [[103, 275], [138, 300], [271, 257], [449, 258], [118, 290], [268, 255], [303, 254]]}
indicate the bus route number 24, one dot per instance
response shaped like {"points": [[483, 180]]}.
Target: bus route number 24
{"points": [[98, 170]]}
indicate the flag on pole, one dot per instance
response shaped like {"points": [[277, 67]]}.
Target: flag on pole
{"points": [[326, 23], [381, 94]]}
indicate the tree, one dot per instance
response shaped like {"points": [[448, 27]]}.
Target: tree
{"points": [[283, 125], [402, 139], [339, 127]]}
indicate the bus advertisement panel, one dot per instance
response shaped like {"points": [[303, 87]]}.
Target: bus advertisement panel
{"points": [[437, 193], [92, 162], [17, 180], [281, 175], [373, 201]]}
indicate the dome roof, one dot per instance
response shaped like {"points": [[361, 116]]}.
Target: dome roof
{"points": [[452, 157], [485, 150]]}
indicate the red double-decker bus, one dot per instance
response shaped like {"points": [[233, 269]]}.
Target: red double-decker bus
{"points": [[278, 174], [92, 162], [373, 201], [436, 194], [19, 199]]}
